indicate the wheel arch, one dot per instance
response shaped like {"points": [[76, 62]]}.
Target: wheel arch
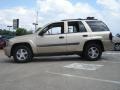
{"points": [[20, 44], [95, 41]]}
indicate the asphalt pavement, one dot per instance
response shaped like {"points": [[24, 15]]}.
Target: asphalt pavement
{"points": [[61, 73]]}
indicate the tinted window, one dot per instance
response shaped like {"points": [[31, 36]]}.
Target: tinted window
{"points": [[97, 26], [55, 28], [74, 27]]}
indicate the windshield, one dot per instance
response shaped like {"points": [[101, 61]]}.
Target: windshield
{"points": [[39, 29]]}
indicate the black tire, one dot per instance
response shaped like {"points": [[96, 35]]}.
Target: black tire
{"points": [[28, 56], [86, 54]]}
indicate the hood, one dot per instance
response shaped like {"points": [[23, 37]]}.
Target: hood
{"points": [[23, 38]]}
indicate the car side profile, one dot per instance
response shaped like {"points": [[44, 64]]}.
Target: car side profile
{"points": [[87, 38]]}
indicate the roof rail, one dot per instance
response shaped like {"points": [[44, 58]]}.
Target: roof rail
{"points": [[71, 19], [91, 18], [88, 18]]}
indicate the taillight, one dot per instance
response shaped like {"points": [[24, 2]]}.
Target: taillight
{"points": [[110, 36]]}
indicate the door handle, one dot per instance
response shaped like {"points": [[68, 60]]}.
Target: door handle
{"points": [[85, 35], [61, 37]]}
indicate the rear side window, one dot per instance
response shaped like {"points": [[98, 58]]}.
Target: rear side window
{"points": [[76, 26], [73, 27], [97, 26]]}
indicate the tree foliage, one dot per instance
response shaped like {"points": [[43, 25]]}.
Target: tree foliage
{"points": [[18, 32], [6, 32], [21, 31]]}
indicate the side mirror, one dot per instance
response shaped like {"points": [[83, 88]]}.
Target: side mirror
{"points": [[41, 33]]}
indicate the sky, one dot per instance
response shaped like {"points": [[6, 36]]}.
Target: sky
{"points": [[54, 10]]}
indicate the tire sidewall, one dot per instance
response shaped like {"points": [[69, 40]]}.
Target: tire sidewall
{"points": [[86, 52], [29, 58]]}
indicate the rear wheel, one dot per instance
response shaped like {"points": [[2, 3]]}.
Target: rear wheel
{"points": [[92, 52], [22, 54]]}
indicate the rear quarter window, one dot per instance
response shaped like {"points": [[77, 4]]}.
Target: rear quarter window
{"points": [[97, 26]]}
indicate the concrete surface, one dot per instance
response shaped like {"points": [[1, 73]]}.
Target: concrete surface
{"points": [[50, 73]]}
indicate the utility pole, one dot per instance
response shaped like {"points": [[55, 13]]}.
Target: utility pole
{"points": [[9, 27], [36, 23]]}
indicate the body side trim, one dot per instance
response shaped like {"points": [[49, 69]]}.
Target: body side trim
{"points": [[62, 44]]}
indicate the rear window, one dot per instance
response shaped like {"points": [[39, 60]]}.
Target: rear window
{"points": [[97, 26]]}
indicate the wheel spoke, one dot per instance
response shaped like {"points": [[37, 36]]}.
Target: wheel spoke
{"points": [[93, 52], [22, 54], [23, 57], [25, 53]]}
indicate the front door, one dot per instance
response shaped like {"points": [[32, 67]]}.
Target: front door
{"points": [[53, 40]]}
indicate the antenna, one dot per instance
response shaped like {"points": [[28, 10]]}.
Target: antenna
{"points": [[37, 13]]}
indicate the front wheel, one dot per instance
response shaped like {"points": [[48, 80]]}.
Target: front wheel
{"points": [[22, 54], [92, 52]]}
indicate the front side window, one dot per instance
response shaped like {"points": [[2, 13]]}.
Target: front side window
{"points": [[55, 28], [97, 26]]}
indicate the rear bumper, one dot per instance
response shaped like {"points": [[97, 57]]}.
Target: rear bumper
{"points": [[108, 45]]}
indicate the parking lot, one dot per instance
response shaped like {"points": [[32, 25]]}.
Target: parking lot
{"points": [[61, 73]]}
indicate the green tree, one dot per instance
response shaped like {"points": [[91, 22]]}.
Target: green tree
{"points": [[7, 32], [21, 31]]}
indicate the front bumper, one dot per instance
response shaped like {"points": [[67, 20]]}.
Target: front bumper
{"points": [[7, 51]]}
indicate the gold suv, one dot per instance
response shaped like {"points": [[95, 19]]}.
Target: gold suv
{"points": [[85, 37]]}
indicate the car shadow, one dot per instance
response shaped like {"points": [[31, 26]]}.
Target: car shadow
{"points": [[48, 59], [56, 58], [51, 59], [60, 59]]}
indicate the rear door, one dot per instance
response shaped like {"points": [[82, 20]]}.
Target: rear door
{"points": [[75, 37]]}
